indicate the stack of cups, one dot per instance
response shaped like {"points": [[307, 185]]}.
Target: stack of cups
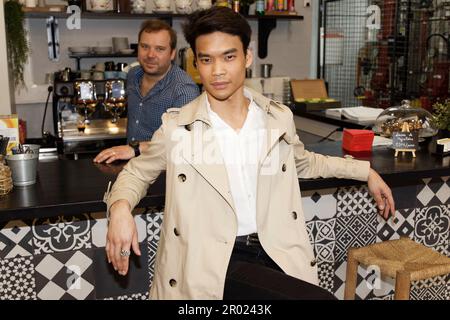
{"points": [[120, 43]]}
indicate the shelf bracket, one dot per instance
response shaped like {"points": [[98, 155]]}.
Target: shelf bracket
{"points": [[265, 26]]}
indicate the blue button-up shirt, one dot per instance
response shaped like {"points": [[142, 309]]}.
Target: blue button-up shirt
{"points": [[144, 113]]}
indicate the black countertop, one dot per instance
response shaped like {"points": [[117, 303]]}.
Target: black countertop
{"points": [[71, 187], [322, 117]]}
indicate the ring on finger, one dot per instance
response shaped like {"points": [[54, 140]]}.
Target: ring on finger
{"points": [[125, 253]]}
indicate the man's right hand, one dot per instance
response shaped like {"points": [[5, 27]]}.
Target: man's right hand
{"points": [[121, 237], [124, 152]]}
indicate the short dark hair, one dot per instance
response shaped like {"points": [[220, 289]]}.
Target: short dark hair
{"points": [[215, 19], [155, 25]]}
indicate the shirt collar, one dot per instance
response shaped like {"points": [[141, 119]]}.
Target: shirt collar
{"points": [[161, 83]]}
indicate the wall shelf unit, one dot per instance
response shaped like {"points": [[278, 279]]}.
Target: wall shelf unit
{"points": [[266, 23]]}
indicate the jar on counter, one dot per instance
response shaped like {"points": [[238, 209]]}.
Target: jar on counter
{"points": [[396, 118]]}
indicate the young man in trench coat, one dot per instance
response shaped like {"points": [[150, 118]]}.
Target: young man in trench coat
{"points": [[233, 219]]}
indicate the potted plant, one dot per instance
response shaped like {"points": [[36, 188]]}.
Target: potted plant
{"points": [[441, 117], [16, 41]]}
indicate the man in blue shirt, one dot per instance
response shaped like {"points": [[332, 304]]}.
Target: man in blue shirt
{"points": [[154, 86]]}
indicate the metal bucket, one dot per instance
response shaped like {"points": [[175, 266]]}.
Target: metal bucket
{"points": [[23, 168]]}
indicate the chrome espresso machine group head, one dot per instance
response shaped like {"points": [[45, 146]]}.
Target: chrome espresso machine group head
{"points": [[89, 115]]}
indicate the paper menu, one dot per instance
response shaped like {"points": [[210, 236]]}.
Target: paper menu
{"points": [[9, 127]]}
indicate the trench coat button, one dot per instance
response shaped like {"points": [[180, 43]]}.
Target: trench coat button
{"points": [[182, 177], [294, 215], [283, 167], [177, 233], [313, 262], [173, 283]]}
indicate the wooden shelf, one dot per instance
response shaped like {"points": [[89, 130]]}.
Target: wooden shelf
{"points": [[115, 15], [265, 23]]}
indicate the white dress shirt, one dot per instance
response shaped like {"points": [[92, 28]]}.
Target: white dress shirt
{"points": [[241, 153]]}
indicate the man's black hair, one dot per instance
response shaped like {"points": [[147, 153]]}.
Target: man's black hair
{"points": [[215, 19]]}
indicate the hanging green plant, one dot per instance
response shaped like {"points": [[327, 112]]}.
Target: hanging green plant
{"points": [[16, 41]]}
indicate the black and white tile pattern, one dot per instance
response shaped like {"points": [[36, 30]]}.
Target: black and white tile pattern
{"points": [[37, 258], [62, 233], [154, 217], [319, 203], [17, 279], [134, 296], [434, 191], [15, 239], [432, 227], [394, 228], [322, 237], [66, 275], [326, 276], [354, 231], [364, 283], [354, 201]]}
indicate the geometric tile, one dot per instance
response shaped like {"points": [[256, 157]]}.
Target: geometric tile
{"points": [[49, 266], [322, 238], [67, 275], [354, 231], [62, 233], [431, 282], [16, 279], [326, 276], [433, 191], [134, 296], [51, 291], [319, 203], [443, 193], [108, 283], [387, 297], [15, 239], [354, 200], [364, 282], [431, 293], [425, 195], [393, 228], [152, 247], [432, 227], [154, 217]]}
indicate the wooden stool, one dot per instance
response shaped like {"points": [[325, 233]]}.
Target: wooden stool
{"points": [[404, 260]]}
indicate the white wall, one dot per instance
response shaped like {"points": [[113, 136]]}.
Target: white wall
{"points": [[289, 50], [6, 106]]}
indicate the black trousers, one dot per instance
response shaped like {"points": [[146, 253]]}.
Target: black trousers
{"points": [[252, 274]]}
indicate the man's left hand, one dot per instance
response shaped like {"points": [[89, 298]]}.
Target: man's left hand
{"points": [[382, 194], [109, 155]]}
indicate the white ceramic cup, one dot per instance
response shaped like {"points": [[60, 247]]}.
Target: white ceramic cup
{"points": [[30, 3]]}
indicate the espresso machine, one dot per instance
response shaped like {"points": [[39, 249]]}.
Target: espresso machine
{"points": [[88, 115]]}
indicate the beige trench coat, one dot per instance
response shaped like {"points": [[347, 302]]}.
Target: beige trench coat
{"points": [[200, 223]]}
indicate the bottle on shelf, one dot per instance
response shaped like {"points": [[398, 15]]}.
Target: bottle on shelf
{"points": [[260, 7], [270, 6]]}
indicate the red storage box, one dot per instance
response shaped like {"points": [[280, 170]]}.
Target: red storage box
{"points": [[357, 140]]}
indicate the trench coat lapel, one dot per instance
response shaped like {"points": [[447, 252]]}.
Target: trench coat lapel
{"points": [[269, 160], [206, 157]]}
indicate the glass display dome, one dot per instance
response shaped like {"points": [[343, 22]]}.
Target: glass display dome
{"points": [[398, 118]]}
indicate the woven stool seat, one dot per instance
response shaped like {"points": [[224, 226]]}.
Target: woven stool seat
{"points": [[404, 260]]}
